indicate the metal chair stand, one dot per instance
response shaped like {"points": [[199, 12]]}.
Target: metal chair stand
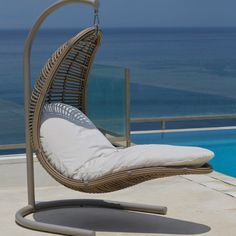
{"points": [[34, 207]]}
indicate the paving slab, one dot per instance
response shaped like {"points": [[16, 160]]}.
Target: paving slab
{"points": [[220, 186], [193, 209]]}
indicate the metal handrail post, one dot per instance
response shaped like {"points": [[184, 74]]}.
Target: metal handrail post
{"points": [[27, 86], [127, 111]]}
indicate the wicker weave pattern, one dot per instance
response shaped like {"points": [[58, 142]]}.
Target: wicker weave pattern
{"points": [[64, 79]]}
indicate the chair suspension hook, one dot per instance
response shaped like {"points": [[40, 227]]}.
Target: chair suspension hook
{"points": [[96, 20]]}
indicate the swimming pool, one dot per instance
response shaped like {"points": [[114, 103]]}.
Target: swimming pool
{"points": [[221, 142]]}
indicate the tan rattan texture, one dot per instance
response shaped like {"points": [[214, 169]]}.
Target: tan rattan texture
{"points": [[64, 79]]}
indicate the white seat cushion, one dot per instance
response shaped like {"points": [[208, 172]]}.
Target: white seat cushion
{"points": [[77, 149]]}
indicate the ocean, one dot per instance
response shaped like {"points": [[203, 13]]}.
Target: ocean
{"points": [[174, 72]]}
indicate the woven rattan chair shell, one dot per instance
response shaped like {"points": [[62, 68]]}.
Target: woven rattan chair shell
{"points": [[64, 79]]}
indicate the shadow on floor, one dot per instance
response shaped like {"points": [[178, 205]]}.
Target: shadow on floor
{"points": [[110, 220]]}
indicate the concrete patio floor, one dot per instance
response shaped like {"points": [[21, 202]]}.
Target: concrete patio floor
{"points": [[196, 204]]}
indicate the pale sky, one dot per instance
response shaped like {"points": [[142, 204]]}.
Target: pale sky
{"points": [[123, 13]]}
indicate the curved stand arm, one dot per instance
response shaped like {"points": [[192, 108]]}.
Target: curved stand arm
{"points": [[27, 86]]}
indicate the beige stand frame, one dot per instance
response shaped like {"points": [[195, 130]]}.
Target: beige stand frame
{"points": [[32, 206]]}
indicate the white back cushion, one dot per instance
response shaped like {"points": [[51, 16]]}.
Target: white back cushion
{"points": [[70, 139]]}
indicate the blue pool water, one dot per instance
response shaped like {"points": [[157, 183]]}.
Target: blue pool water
{"points": [[221, 142]]}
